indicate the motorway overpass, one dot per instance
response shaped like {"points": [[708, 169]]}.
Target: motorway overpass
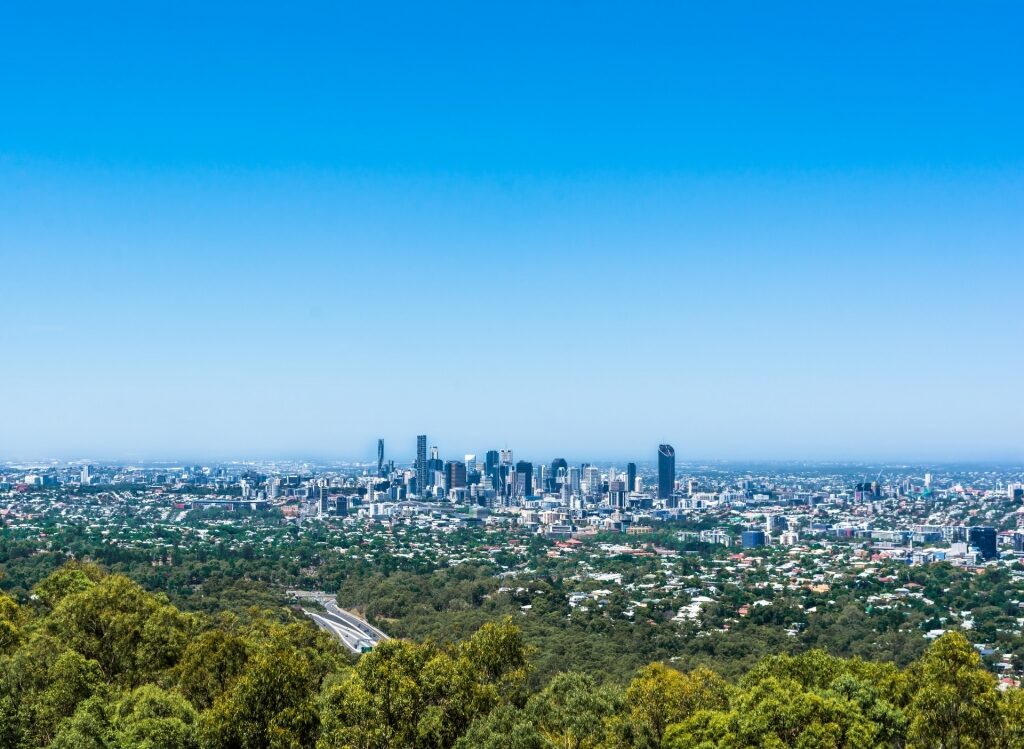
{"points": [[354, 633]]}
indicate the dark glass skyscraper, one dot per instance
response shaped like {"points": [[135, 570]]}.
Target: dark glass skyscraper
{"points": [[491, 467], [666, 471], [983, 538], [454, 475], [559, 474], [630, 477], [524, 477], [421, 464], [380, 457]]}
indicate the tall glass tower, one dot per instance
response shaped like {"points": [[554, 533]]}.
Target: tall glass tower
{"points": [[421, 464], [559, 472], [666, 471], [524, 478]]}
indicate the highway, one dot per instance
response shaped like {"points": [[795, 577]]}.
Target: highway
{"points": [[355, 634]]}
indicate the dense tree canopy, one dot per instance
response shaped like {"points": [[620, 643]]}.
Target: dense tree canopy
{"points": [[93, 661]]}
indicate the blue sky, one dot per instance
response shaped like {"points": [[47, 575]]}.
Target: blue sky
{"points": [[793, 231]]}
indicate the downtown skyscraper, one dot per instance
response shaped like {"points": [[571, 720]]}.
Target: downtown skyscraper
{"points": [[666, 471], [421, 463]]}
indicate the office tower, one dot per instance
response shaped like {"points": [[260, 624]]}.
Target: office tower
{"points": [[505, 470], [435, 467], [86, 474], [491, 467], [983, 538], [524, 478], [592, 478], [470, 463], [617, 494], [323, 498], [454, 475], [380, 458], [630, 477], [774, 523], [666, 471], [559, 469], [421, 464], [753, 539], [574, 480]]}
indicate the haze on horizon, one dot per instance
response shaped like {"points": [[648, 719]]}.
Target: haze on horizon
{"points": [[755, 233]]}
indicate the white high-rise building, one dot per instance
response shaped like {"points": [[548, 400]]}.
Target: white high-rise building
{"points": [[574, 479]]}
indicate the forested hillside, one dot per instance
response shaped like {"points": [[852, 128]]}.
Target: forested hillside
{"points": [[93, 661], [619, 627]]}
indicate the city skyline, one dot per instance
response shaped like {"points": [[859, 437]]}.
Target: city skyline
{"points": [[405, 457], [464, 375], [753, 233]]}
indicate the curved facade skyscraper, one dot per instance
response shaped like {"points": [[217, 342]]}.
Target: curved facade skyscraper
{"points": [[666, 471]]}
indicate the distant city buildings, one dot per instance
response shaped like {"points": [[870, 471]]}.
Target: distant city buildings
{"points": [[741, 537], [970, 519]]}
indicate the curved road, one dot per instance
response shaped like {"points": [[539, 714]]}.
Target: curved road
{"points": [[354, 633]]}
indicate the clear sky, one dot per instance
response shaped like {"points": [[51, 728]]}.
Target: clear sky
{"points": [[753, 230]]}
